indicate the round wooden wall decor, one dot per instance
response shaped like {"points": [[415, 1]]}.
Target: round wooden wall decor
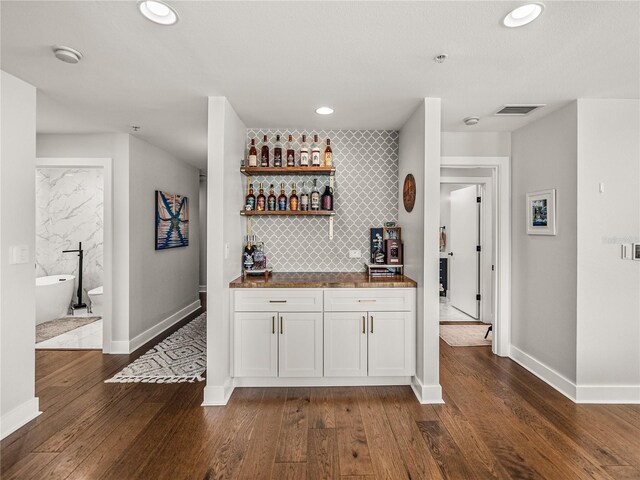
{"points": [[409, 192]]}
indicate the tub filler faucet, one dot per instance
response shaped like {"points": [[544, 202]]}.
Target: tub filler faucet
{"points": [[80, 253]]}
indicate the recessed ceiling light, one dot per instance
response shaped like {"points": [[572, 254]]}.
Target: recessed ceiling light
{"points": [[523, 15], [324, 111], [158, 12], [67, 54], [471, 121]]}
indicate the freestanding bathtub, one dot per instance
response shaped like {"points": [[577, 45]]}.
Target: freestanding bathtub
{"points": [[53, 297]]}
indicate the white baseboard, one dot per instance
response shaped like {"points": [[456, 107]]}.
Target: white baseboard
{"points": [[119, 347], [426, 394], [544, 373], [203, 289], [19, 416], [318, 381], [612, 394], [215, 395]]}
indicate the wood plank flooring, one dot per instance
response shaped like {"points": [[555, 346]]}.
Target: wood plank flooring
{"points": [[499, 422]]}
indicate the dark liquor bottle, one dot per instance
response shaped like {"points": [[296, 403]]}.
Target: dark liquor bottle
{"points": [[271, 200], [253, 154], [277, 153], [293, 199], [304, 199], [282, 198], [304, 152], [262, 200], [291, 154], [250, 203], [264, 153], [247, 255], [327, 199], [315, 152], [328, 155], [315, 196]]}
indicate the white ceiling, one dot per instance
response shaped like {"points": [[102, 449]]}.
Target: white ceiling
{"points": [[277, 61]]}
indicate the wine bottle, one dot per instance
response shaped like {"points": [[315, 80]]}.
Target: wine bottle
{"points": [[264, 154], [327, 199], [247, 255], [277, 153], [282, 198], [271, 200], [250, 203], [328, 155], [291, 154], [315, 196], [304, 199], [315, 152], [262, 200], [304, 152], [253, 154], [293, 199]]}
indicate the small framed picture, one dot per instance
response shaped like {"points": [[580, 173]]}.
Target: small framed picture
{"points": [[541, 212]]}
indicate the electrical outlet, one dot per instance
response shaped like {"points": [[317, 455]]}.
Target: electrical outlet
{"points": [[355, 254]]}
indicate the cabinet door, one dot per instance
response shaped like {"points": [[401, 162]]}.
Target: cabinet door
{"points": [[255, 344], [391, 343], [300, 349], [345, 344]]}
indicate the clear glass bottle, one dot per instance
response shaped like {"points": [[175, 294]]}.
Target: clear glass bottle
{"points": [[304, 152], [315, 196], [264, 153], [277, 153], [291, 153], [304, 199], [293, 199], [315, 152], [328, 155]]}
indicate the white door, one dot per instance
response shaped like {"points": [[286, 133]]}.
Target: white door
{"points": [[463, 240], [391, 344], [300, 349], [255, 344], [345, 344]]}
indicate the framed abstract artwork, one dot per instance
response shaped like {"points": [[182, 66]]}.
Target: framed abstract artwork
{"points": [[541, 212], [172, 220]]}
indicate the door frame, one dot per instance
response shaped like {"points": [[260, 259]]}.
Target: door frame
{"points": [[107, 248], [501, 179]]}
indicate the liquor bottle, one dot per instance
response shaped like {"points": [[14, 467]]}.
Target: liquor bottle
{"points": [[315, 152], [293, 199], [282, 198], [264, 153], [250, 203], [291, 154], [327, 199], [315, 196], [277, 153], [304, 199], [247, 255], [271, 200], [253, 154], [262, 200], [328, 155], [304, 152]]}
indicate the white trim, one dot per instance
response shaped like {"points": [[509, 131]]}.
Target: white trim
{"points": [[215, 395], [502, 195], [203, 289], [426, 394], [318, 381], [618, 394], [107, 235], [544, 373], [151, 333], [19, 416]]}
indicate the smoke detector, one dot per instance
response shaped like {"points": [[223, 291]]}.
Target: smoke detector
{"points": [[67, 54], [440, 58], [469, 121]]}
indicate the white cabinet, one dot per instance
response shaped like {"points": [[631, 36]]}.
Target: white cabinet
{"points": [[345, 344], [391, 344], [300, 348], [369, 299], [255, 346], [281, 300]]}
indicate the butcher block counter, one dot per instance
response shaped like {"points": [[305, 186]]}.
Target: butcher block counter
{"points": [[323, 280]]}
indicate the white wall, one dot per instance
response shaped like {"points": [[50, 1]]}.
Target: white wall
{"points": [[476, 144], [161, 282], [18, 403], [203, 233], [225, 226], [419, 154], [544, 267], [608, 343]]}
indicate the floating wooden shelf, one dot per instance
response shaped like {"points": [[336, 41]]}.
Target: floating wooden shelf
{"points": [[250, 171], [309, 213]]}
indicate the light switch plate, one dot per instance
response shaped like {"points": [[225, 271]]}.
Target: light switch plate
{"points": [[19, 254], [355, 254]]}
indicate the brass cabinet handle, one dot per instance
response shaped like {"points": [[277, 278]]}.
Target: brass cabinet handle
{"points": [[367, 300], [273, 325], [277, 301], [281, 326], [364, 327], [371, 323]]}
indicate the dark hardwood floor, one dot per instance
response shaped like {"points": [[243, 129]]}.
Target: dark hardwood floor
{"points": [[499, 421]]}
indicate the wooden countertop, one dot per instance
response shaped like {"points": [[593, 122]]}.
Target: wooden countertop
{"points": [[323, 280]]}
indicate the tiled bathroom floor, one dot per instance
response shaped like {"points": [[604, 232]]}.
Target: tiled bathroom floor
{"points": [[86, 337], [449, 313]]}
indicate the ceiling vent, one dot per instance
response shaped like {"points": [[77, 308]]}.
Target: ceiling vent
{"points": [[518, 109]]}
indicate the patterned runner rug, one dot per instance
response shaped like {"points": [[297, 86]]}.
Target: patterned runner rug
{"points": [[181, 357], [53, 328], [465, 335]]}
